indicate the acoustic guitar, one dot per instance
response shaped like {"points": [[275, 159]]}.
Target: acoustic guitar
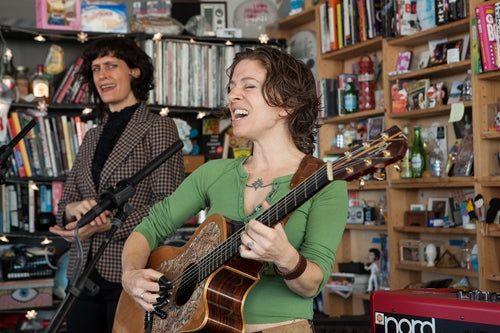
{"points": [[210, 280]]}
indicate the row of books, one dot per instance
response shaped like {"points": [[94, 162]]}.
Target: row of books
{"points": [[486, 37], [190, 74], [49, 148], [347, 22], [71, 90], [27, 207]]}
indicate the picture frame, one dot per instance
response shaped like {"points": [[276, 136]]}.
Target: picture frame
{"points": [[420, 60], [439, 206], [404, 60], [440, 52], [411, 252]]}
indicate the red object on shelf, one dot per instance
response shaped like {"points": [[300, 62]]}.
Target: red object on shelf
{"points": [[366, 81]]}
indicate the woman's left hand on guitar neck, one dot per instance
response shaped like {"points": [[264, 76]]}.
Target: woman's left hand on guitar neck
{"points": [[263, 243]]}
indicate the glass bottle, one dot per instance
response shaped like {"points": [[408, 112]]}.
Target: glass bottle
{"points": [[8, 71], [350, 97], [350, 134], [406, 161], [467, 88], [417, 154], [22, 81], [340, 136], [40, 85], [465, 253]]}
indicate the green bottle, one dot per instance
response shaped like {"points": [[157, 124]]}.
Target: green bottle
{"points": [[350, 97], [406, 171], [417, 154]]}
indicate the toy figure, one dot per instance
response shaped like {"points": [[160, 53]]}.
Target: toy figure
{"points": [[57, 12], [372, 266]]}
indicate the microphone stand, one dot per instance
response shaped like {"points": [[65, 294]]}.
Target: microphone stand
{"points": [[83, 281], [7, 149], [109, 200]]}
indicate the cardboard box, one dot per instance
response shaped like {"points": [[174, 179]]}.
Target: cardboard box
{"points": [[58, 14], [26, 294], [191, 162], [104, 17]]}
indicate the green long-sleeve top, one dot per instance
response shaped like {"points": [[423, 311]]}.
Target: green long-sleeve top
{"points": [[315, 229]]}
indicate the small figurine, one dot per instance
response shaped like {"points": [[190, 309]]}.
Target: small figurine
{"points": [[372, 266]]}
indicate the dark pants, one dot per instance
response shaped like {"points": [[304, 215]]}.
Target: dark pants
{"points": [[95, 313]]}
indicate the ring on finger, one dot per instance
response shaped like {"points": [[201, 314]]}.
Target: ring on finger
{"points": [[250, 244], [142, 296]]}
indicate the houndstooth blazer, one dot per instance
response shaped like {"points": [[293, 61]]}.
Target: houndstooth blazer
{"points": [[145, 137]]}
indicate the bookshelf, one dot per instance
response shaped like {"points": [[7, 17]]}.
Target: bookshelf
{"points": [[401, 193]]}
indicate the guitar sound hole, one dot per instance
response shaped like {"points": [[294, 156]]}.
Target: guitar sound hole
{"points": [[187, 285]]}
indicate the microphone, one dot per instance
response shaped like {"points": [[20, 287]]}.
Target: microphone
{"points": [[7, 149], [126, 188]]}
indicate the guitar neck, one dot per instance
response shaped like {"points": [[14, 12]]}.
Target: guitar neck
{"points": [[384, 149]]}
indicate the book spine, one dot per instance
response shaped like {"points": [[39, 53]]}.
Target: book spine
{"points": [[332, 21], [67, 141], [61, 143], [485, 20], [49, 167], [17, 150], [51, 145], [22, 144], [497, 30], [70, 80], [57, 189]]}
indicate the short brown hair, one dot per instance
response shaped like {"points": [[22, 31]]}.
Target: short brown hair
{"points": [[289, 84]]}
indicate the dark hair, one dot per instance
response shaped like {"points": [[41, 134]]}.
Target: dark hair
{"points": [[376, 252], [122, 48], [291, 85]]}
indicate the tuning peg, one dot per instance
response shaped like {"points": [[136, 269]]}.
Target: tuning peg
{"points": [[379, 175], [397, 167]]}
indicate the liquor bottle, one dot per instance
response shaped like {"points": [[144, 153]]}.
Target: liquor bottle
{"points": [[340, 136], [417, 154], [40, 85], [350, 97], [406, 161], [8, 71], [22, 81]]}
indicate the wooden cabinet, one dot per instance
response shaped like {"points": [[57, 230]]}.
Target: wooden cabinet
{"points": [[402, 193]]}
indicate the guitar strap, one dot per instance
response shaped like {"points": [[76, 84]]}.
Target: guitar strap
{"points": [[307, 167]]}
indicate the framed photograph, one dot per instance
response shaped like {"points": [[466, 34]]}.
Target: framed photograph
{"points": [[417, 94], [439, 206], [411, 252], [440, 53], [420, 60]]}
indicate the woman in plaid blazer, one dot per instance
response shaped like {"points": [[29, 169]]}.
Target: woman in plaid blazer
{"points": [[128, 137]]}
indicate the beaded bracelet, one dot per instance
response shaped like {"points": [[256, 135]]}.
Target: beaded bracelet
{"points": [[296, 272]]}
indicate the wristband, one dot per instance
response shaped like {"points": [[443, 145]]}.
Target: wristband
{"points": [[296, 272]]}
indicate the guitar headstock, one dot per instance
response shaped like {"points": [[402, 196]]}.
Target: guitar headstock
{"points": [[385, 148]]}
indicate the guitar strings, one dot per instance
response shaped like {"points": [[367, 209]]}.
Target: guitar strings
{"points": [[230, 246]]}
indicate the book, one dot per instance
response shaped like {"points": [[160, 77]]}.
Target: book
{"points": [[22, 144], [57, 189], [69, 81], [477, 66], [485, 20], [44, 143], [455, 94], [417, 94], [56, 169], [60, 143], [399, 94], [409, 24], [404, 60], [329, 87], [67, 140], [333, 7], [17, 150]]}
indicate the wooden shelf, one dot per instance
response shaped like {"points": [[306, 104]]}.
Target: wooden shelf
{"points": [[438, 270], [303, 17], [442, 31], [344, 119], [365, 47], [442, 182], [365, 227], [436, 71], [440, 110], [425, 230], [369, 185]]}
